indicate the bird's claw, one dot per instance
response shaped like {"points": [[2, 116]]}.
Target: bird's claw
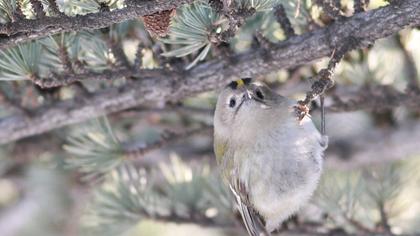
{"points": [[301, 110]]}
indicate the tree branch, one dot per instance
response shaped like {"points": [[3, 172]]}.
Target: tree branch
{"points": [[284, 21], [38, 8], [53, 7], [161, 86], [25, 29], [166, 139], [377, 98], [68, 78], [118, 52]]}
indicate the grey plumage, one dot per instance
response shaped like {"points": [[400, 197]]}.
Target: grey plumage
{"points": [[271, 161]]}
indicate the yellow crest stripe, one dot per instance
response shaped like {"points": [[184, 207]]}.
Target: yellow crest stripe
{"points": [[240, 82]]}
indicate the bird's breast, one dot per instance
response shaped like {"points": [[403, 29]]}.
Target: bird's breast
{"points": [[280, 172]]}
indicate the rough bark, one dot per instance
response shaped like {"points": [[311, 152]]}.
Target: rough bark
{"points": [[27, 29], [166, 86]]}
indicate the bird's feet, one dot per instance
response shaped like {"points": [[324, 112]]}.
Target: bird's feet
{"points": [[301, 110]]}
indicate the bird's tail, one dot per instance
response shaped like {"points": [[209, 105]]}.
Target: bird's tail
{"points": [[251, 220]]}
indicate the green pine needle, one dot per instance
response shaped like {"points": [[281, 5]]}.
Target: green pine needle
{"points": [[95, 151], [121, 202], [95, 52], [7, 9], [129, 195], [20, 62], [191, 29]]}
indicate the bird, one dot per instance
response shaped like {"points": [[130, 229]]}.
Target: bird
{"points": [[269, 159]]}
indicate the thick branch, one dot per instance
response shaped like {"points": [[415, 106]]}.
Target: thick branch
{"points": [[69, 78], [164, 86], [377, 98], [26, 29], [166, 139]]}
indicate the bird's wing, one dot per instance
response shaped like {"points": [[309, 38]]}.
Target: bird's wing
{"points": [[224, 158], [252, 221]]}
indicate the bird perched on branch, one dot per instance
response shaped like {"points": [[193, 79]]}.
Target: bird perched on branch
{"points": [[270, 159]]}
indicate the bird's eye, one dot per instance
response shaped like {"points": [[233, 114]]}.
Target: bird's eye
{"points": [[232, 102], [259, 94]]}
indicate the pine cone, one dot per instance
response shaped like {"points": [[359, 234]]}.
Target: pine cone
{"points": [[158, 23]]}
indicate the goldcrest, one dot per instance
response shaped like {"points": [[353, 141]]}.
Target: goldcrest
{"points": [[270, 160]]}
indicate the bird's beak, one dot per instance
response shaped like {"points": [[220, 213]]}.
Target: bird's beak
{"points": [[248, 94]]}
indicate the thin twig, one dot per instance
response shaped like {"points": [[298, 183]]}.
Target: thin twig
{"points": [[138, 62], [323, 80], [38, 8], [69, 69], [118, 53], [65, 59], [384, 218], [54, 8], [360, 5], [284, 21], [236, 17], [359, 226], [263, 44], [18, 14]]}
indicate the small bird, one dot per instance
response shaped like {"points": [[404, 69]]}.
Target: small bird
{"points": [[270, 160]]}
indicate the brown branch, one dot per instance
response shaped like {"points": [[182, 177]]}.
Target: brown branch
{"points": [[59, 80], [138, 61], [323, 80], [360, 5], [38, 8], [118, 53], [384, 218], [178, 108], [377, 98], [65, 59], [52, 4], [18, 14], [166, 139], [26, 29], [159, 86], [359, 226], [236, 17], [284, 21]]}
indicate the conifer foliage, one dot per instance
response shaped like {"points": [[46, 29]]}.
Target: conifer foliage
{"points": [[106, 111]]}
